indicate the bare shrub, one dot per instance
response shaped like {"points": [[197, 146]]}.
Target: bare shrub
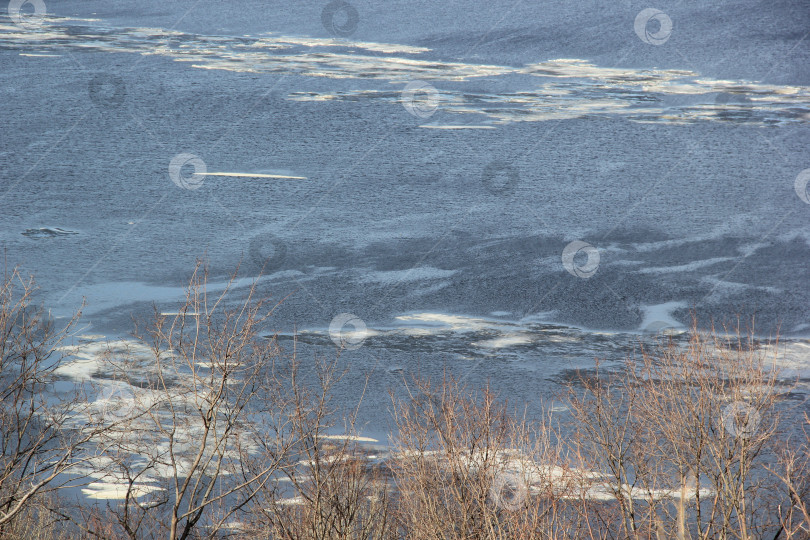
{"points": [[685, 435], [178, 454], [793, 470], [222, 437], [466, 467], [42, 444], [329, 486]]}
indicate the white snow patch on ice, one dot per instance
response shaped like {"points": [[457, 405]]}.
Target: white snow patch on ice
{"points": [[501, 342], [412, 274], [688, 267], [660, 315]]}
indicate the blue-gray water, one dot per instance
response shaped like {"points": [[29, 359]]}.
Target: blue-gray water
{"points": [[543, 123]]}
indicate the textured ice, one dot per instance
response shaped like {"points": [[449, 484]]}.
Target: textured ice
{"points": [[676, 162]]}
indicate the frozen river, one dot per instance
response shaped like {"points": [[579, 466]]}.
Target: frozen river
{"points": [[506, 190]]}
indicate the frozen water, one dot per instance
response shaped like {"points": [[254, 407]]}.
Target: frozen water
{"points": [[438, 218]]}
